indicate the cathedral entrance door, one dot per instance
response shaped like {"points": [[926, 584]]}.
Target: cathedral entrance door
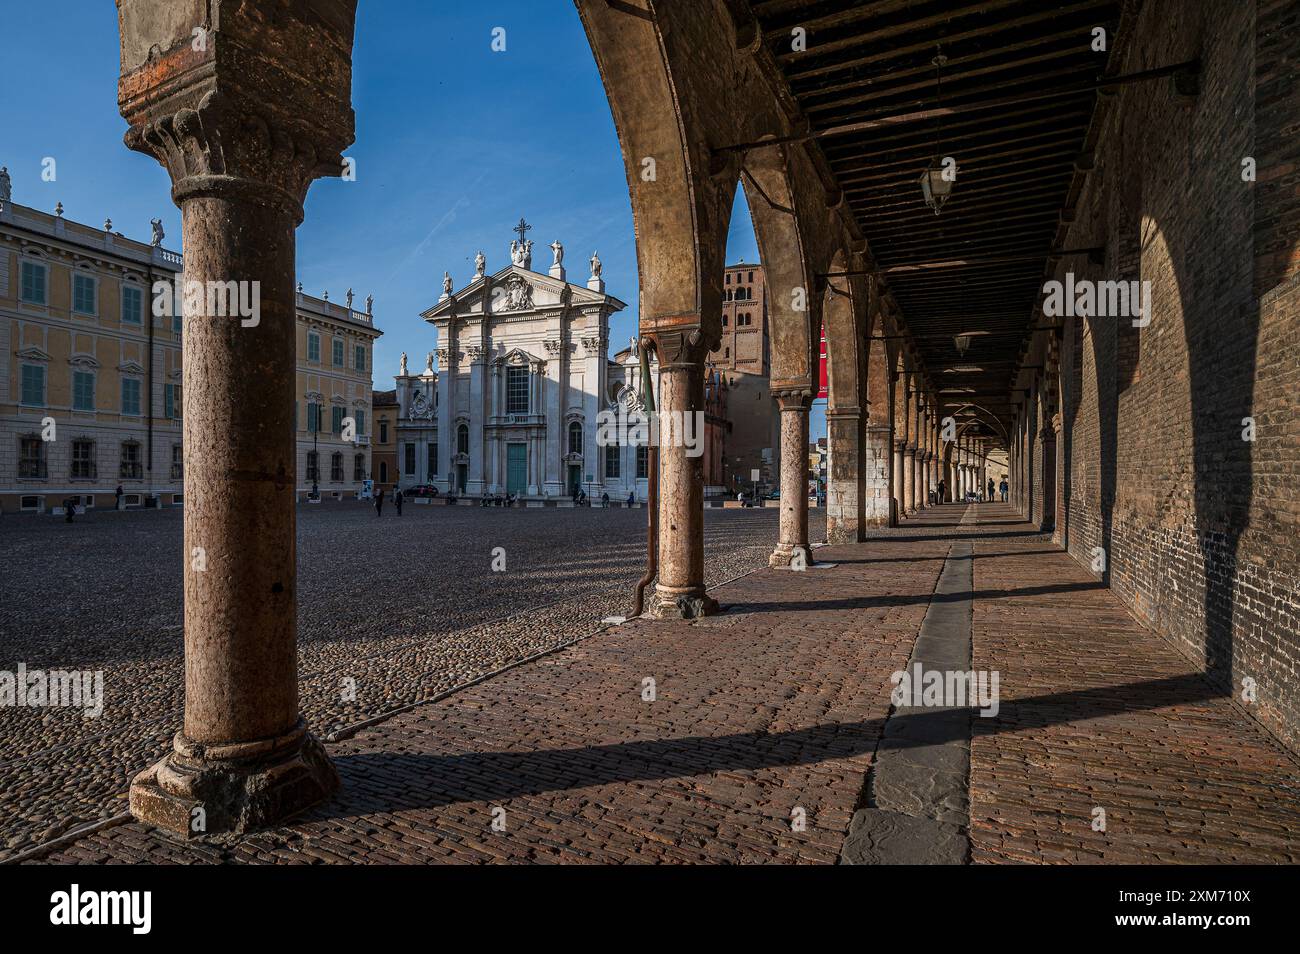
{"points": [[516, 468], [575, 479], [462, 476]]}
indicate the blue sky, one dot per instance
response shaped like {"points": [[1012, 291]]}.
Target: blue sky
{"points": [[454, 143]]}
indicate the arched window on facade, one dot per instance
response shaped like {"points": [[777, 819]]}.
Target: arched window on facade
{"points": [[575, 438], [462, 439]]}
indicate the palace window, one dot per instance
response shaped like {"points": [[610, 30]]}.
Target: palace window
{"points": [[172, 402], [34, 276], [359, 467], [336, 420], [313, 417], [132, 304], [31, 457], [83, 460], [336, 467], [516, 390], [575, 438], [409, 469], [359, 416], [178, 462], [338, 352], [313, 347], [33, 385], [130, 395], [462, 439], [313, 466], [383, 431], [642, 462], [83, 390], [433, 461], [132, 466], [360, 356], [612, 460], [83, 294]]}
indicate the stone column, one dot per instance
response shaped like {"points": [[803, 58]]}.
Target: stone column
{"points": [[556, 373], [844, 495], [909, 479], [679, 593], [446, 390], [243, 127], [900, 471], [792, 548], [1047, 443], [875, 468], [923, 458], [1058, 529]]}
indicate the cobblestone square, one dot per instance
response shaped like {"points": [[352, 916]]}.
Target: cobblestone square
{"points": [[407, 606]]}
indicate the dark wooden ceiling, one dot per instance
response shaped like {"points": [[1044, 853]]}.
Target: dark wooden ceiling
{"points": [[979, 265]]}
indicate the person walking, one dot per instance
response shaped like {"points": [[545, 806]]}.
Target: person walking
{"points": [[117, 498], [631, 498], [1003, 488], [379, 503], [942, 491], [397, 499]]}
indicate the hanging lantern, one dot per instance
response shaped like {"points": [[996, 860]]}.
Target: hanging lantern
{"points": [[935, 187], [963, 344]]}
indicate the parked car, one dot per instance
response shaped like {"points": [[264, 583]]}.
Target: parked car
{"points": [[422, 490]]}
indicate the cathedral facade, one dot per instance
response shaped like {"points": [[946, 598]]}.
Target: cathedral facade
{"points": [[522, 375]]}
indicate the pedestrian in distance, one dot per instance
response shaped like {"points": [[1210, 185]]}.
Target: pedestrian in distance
{"points": [[1004, 488], [942, 491], [379, 503], [397, 499]]}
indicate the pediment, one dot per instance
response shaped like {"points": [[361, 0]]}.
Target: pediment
{"points": [[515, 289], [84, 362], [33, 354], [516, 357], [131, 366]]}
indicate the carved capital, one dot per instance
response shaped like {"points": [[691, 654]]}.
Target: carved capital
{"points": [[237, 98], [682, 349], [793, 399]]}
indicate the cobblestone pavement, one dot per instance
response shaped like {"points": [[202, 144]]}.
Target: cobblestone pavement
{"points": [[771, 713], [408, 607]]}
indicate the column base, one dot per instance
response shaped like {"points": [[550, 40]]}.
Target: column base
{"points": [[688, 604], [787, 555], [202, 790]]}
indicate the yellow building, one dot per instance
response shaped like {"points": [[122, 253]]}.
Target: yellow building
{"points": [[335, 358], [90, 388]]}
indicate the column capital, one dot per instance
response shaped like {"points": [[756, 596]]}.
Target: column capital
{"points": [[793, 398], [254, 103], [681, 348]]}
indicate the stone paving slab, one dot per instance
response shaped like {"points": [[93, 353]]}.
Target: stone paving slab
{"points": [[775, 710]]}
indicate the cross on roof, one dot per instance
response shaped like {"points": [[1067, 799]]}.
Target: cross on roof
{"points": [[521, 228]]}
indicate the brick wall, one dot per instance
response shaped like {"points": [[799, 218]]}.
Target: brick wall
{"points": [[1199, 525]]}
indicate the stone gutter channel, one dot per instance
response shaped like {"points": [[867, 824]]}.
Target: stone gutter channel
{"points": [[917, 796]]}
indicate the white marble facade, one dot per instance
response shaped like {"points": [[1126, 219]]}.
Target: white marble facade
{"points": [[522, 373]]}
